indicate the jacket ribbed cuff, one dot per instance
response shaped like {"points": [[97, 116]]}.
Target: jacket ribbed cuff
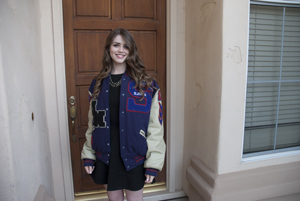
{"points": [[151, 171], [88, 162]]}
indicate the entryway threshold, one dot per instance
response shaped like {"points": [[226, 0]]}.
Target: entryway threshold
{"points": [[163, 195], [153, 192]]}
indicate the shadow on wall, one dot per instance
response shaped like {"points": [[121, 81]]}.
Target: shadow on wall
{"points": [[42, 195]]}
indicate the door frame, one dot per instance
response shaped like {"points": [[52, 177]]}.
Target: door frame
{"points": [[56, 98]]}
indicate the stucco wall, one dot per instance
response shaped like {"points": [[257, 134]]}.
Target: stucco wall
{"points": [[234, 78], [203, 81], [25, 153], [216, 74]]}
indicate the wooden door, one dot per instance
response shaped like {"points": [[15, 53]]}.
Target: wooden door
{"points": [[87, 23]]}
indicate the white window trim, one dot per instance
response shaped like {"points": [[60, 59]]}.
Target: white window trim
{"points": [[272, 154], [277, 1]]}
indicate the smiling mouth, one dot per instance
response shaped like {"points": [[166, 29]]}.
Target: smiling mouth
{"points": [[120, 56]]}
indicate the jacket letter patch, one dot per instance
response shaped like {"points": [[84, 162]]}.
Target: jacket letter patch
{"points": [[134, 104], [99, 116]]}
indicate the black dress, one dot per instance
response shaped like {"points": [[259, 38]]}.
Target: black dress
{"points": [[115, 175]]}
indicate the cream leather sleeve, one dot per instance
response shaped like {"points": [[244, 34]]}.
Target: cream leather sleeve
{"points": [[155, 136], [87, 151]]}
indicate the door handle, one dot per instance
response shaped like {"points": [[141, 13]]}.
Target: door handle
{"points": [[73, 115]]}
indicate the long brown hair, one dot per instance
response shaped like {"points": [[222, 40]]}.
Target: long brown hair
{"points": [[134, 65]]}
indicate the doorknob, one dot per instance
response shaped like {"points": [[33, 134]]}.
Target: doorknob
{"points": [[73, 115]]}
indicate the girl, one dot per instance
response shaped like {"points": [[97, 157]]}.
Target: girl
{"points": [[124, 146]]}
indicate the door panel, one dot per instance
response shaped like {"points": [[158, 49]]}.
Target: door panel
{"points": [[147, 9], [88, 51], [87, 23], [97, 8], [146, 43]]}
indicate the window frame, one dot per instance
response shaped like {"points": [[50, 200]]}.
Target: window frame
{"points": [[275, 153]]}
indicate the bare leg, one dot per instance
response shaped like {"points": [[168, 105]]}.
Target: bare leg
{"points": [[117, 195], [134, 195]]}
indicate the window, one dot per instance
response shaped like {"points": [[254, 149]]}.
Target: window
{"points": [[272, 119]]}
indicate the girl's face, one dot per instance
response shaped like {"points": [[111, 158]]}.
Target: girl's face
{"points": [[118, 50]]}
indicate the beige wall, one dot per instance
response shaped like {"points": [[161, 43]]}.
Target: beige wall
{"points": [[216, 72], [234, 67], [203, 81], [25, 154]]}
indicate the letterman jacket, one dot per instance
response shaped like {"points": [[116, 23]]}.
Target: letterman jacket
{"points": [[141, 127]]}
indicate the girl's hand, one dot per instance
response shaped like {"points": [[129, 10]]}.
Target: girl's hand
{"points": [[149, 179], [89, 169]]}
